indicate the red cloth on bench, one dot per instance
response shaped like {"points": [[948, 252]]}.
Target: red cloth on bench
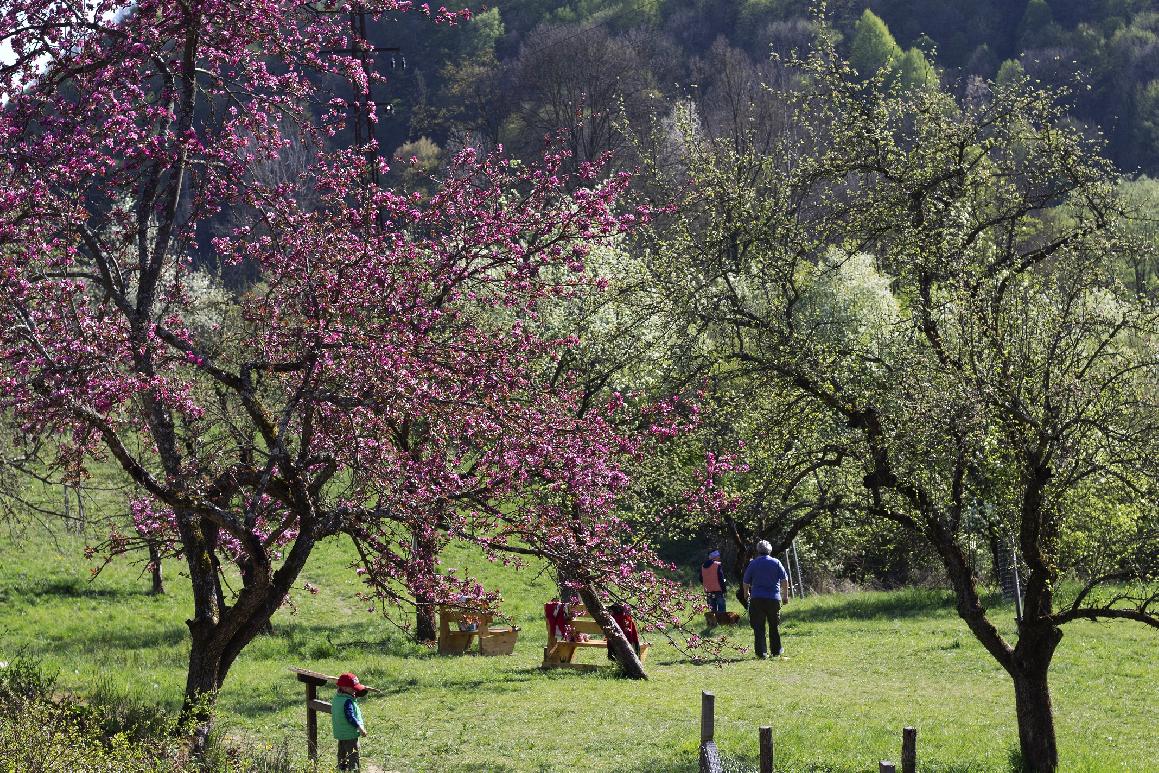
{"points": [[559, 620]]}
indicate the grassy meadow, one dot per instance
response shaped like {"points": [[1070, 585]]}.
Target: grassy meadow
{"points": [[860, 667]]}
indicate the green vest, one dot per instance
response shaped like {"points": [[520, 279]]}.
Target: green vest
{"points": [[343, 730]]}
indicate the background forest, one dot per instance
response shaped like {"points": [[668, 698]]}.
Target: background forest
{"points": [[527, 66]]}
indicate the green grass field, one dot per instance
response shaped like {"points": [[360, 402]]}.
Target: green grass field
{"points": [[861, 667]]}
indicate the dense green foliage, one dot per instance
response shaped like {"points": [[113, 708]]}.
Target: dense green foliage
{"points": [[523, 68]]}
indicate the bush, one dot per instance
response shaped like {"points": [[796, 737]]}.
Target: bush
{"points": [[22, 681], [46, 738], [42, 732]]}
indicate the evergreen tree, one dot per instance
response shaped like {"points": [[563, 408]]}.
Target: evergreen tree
{"points": [[1036, 23], [1146, 124]]}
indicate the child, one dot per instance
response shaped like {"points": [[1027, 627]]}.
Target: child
{"points": [[347, 719]]}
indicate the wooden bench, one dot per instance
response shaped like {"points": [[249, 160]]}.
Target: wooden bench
{"points": [[453, 641], [561, 654]]}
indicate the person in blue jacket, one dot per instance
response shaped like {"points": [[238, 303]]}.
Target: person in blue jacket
{"points": [[766, 586]]}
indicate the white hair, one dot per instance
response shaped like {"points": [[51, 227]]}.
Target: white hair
{"points": [[764, 548]]}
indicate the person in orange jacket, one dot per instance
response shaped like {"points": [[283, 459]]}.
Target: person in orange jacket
{"points": [[712, 578]]}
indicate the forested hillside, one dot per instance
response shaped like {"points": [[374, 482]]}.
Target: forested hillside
{"points": [[525, 67]]}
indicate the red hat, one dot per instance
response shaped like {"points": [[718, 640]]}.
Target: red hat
{"points": [[350, 682]]}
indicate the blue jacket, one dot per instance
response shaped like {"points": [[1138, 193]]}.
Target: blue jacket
{"points": [[764, 574]]}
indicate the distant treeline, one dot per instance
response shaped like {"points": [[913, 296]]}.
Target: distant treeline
{"points": [[524, 67]]}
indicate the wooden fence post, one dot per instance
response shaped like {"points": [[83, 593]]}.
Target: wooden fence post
{"points": [[707, 716], [311, 722], [709, 755], [909, 750], [766, 749], [886, 767]]}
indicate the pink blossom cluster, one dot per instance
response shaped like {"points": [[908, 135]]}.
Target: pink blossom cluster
{"points": [[711, 497]]}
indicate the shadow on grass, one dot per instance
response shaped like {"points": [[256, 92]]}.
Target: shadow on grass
{"points": [[264, 703], [672, 766], [704, 661], [322, 642], [75, 588], [492, 766], [885, 605], [747, 764], [124, 638]]}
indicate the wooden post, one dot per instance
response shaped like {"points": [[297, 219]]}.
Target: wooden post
{"points": [[311, 722], [710, 761], [886, 767], [909, 750], [766, 749], [707, 716]]}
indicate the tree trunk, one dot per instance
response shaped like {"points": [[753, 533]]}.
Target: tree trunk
{"points": [[743, 557], [1032, 656], [744, 546], [424, 555], [205, 675], [202, 682], [565, 583], [246, 569], [219, 633], [426, 625], [618, 644], [1035, 722], [155, 570], [1027, 662]]}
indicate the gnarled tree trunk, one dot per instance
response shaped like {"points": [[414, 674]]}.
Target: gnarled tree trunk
{"points": [[1038, 639], [219, 632], [1035, 717]]}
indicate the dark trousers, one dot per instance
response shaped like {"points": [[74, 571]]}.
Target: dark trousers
{"points": [[760, 612], [716, 601], [348, 755]]}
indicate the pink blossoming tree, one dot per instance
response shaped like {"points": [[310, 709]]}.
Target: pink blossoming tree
{"points": [[378, 381]]}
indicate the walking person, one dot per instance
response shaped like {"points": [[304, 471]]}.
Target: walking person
{"points": [[766, 586], [712, 578]]}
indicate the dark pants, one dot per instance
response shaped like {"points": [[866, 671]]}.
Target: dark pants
{"points": [[348, 755], [716, 601], [760, 611]]}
